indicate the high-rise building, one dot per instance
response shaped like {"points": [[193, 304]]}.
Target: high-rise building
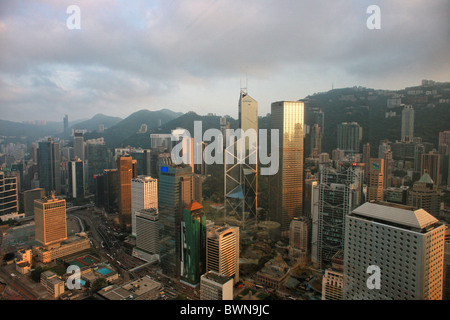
{"points": [[339, 193], [76, 178], [147, 233], [107, 190], [222, 250], [407, 130], [349, 135], [49, 166], [446, 284], [143, 159], [333, 280], [397, 195], [241, 166], [366, 161], [286, 185], [8, 194], [28, 200], [97, 160], [216, 286], [193, 244], [425, 195], [315, 141], [376, 180], [387, 170], [144, 195], [161, 141], [393, 252], [50, 220], [66, 126], [431, 165], [175, 192], [126, 167], [298, 239], [78, 145]]}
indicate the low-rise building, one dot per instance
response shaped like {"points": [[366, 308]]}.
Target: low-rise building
{"points": [[23, 261], [70, 246], [216, 286], [52, 283], [274, 273], [333, 280], [141, 289]]}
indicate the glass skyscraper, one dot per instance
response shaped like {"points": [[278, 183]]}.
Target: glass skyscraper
{"points": [[49, 166], [175, 191], [286, 186], [241, 166]]}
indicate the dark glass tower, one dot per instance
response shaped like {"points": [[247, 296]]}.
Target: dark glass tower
{"points": [[49, 166], [176, 187]]}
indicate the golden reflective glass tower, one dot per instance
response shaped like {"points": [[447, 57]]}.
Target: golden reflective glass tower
{"points": [[241, 170], [286, 186]]}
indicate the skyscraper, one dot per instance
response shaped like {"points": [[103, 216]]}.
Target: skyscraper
{"points": [[147, 233], [8, 194], [316, 141], [76, 178], [175, 192], [339, 193], [107, 190], [49, 166], [241, 166], [425, 195], [298, 239], [376, 180], [366, 161], [126, 167], [78, 145], [222, 250], [50, 220], [407, 130], [97, 160], [401, 246], [431, 164], [349, 135], [66, 126], [28, 200], [286, 186], [144, 195], [193, 244]]}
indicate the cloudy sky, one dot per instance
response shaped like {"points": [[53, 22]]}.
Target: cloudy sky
{"points": [[193, 55]]}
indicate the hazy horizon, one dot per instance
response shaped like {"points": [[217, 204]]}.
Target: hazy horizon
{"points": [[195, 55]]}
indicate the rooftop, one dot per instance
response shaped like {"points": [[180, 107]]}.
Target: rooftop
{"points": [[216, 277], [130, 290], [396, 214]]}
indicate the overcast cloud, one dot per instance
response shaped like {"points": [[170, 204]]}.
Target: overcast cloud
{"points": [[192, 54]]}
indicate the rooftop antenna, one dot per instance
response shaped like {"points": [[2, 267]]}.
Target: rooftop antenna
{"points": [[244, 89]]}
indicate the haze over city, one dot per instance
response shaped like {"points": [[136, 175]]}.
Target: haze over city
{"points": [[195, 55]]}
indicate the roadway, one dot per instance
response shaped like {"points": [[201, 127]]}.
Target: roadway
{"points": [[15, 282]]}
